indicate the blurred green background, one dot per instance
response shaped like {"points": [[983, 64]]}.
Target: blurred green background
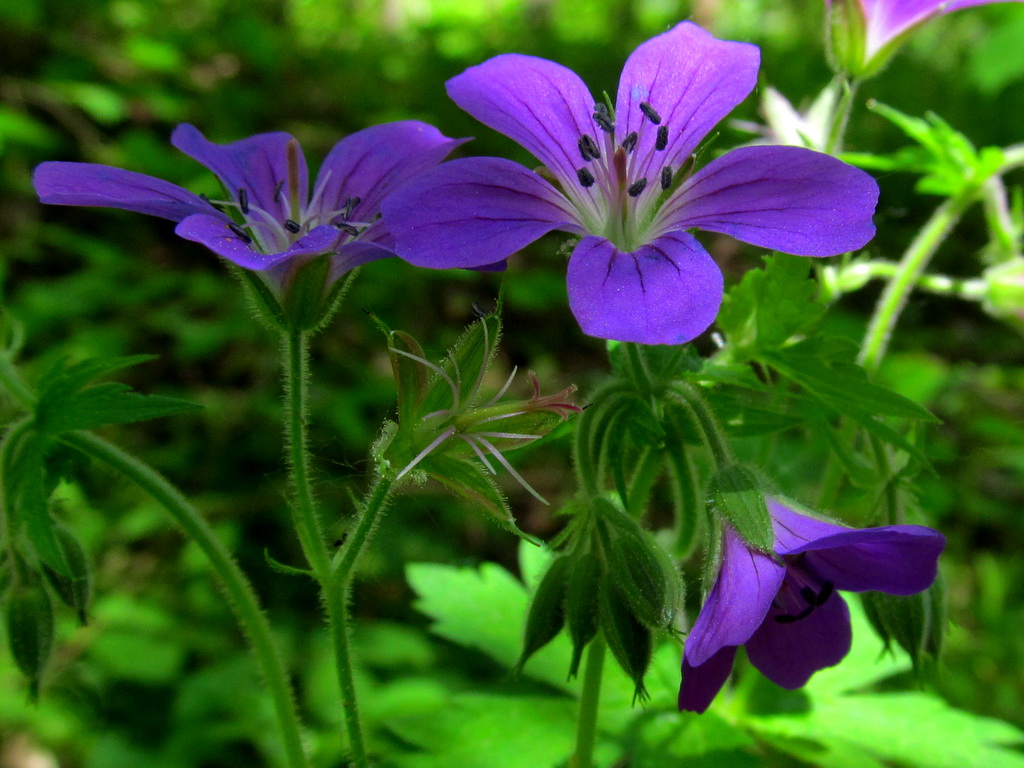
{"points": [[156, 678]]}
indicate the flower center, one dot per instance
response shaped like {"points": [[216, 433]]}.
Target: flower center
{"points": [[800, 594], [620, 176]]}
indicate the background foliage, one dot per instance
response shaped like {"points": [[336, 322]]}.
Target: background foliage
{"points": [[155, 679]]}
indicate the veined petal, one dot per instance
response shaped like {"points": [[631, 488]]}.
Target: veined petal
{"points": [[701, 684], [665, 292], [371, 163], [354, 254], [747, 583], [897, 559], [784, 198], [888, 19], [220, 238], [788, 654], [473, 213], [102, 186], [537, 103], [258, 164], [691, 80]]}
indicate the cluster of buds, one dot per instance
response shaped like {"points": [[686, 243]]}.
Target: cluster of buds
{"points": [[448, 431]]}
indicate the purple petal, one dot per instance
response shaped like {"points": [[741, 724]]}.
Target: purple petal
{"points": [[691, 80], [540, 104], [257, 164], [788, 654], [747, 583], [665, 292], [473, 213], [888, 19], [216, 235], [784, 198], [898, 559], [355, 254], [701, 684], [106, 187], [372, 162]]}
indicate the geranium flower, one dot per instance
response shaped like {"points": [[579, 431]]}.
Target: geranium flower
{"points": [[270, 223], [783, 606], [867, 32], [620, 182]]}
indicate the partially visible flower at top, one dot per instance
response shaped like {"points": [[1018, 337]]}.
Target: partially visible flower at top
{"points": [[865, 33], [620, 181], [783, 605], [270, 223]]}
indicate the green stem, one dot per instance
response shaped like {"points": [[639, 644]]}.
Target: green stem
{"points": [[911, 266], [586, 724], [338, 593], [702, 416], [841, 116], [307, 523], [240, 593], [1002, 229], [847, 279]]}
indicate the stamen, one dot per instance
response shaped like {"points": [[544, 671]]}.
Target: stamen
{"points": [[243, 201], [277, 191], [826, 592], [242, 234], [292, 226], [650, 112], [206, 199], [292, 152], [629, 143], [588, 148], [347, 228], [586, 177], [637, 187], [662, 140], [603, 118], [666, 177], [809, 595]]}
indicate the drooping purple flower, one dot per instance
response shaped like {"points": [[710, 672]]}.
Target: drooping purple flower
{"points": [[622, 184], [870, 30], [784, 606], [269, 222]]}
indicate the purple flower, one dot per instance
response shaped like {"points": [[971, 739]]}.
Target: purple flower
{"points": [[270, 223], [866, 32], [619, 180], [783, 606]]}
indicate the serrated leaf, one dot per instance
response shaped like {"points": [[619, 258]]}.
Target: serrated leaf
{"points": [[770, 305], [68, 400]]}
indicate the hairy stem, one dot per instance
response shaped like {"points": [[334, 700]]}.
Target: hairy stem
{"points": [[586, 723], [240, 593]]}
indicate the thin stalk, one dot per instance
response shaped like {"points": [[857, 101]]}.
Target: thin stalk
{"points": [[338, 593], [702, 416], [304, 513], [240, 593], [911, 266], [586, 723], [842, 280], [841, 116]]}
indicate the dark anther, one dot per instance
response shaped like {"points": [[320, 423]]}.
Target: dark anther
{"points": [[652, 115], [588, 148], [277, 191], [784, 619], [478, 310], [347, 229], [809, 595], [826, 592], [662, 140], [350, 204], [603, 118], [586, 177], [242, 234], [666, 177], [292, 226], [629, 143], [637, 187], [243, 201]]}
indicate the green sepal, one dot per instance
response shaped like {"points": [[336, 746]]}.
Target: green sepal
{"points": [[547, 610], [30, 628], [470, 480], [287, 570], [466, 363], [303, 303], [410, 375], [630, 641], [334, 299], [915, 622], [583, 604], [735, 494], [265, 305], [640, 571], [74, 589]]}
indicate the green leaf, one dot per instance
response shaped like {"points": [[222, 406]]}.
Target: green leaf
{"points": [[771, 305], [68, 400]]}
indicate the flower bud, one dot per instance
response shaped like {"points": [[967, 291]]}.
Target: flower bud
{"points": [[75, 588], [916, 622], [547, 610], [583, 605], [30, 628], [630, 641], [640, 571]]}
